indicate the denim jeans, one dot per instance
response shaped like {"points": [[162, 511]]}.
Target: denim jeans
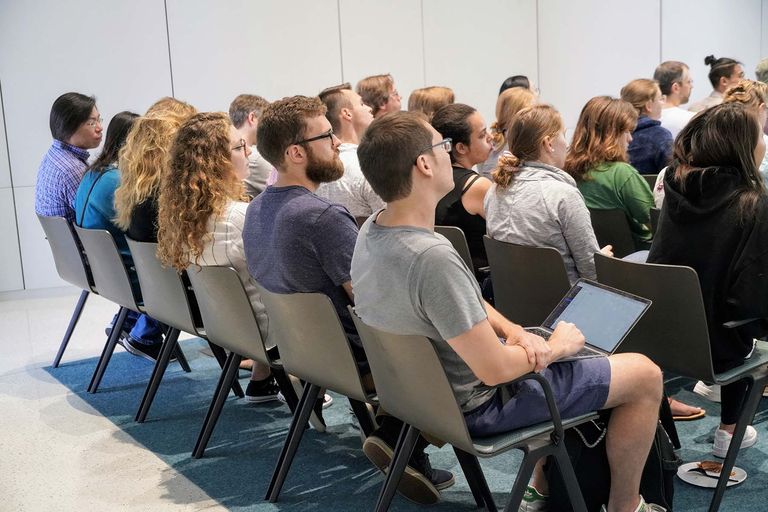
{"points": [[142, 328]]}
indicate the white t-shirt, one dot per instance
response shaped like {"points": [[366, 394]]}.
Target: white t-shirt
{"points": [[351, 190], [674, 119]]}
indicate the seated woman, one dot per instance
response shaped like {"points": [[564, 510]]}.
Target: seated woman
{"points": [[509, 103], [533, 202], [430, 99], [597, 160], [463, 206], [755, 95], [201, 213], [651, 146], [715, 220]]}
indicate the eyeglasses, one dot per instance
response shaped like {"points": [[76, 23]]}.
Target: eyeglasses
{"points": [[91, 122], [446, 143], [240, 146], [328, 134]]}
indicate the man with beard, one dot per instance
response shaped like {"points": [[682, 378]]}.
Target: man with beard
{"points": [[297, 242]]}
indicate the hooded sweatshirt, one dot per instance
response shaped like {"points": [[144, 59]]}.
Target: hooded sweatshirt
{"points": [[651, 146], [701, 227]]}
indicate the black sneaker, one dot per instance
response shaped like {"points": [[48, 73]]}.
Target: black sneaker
{"points": [[420, 483], [149, 352], [120, 339], [261, 391]]}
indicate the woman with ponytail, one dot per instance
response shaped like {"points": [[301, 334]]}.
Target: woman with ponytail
{"points": [[533, 202], [510, 102]]}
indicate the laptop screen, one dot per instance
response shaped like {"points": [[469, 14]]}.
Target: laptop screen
{"points": [[603, 314]]}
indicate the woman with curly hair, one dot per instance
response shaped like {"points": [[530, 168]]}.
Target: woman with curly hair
{"points": [[201, 213], [598, 162], [510, 102]]}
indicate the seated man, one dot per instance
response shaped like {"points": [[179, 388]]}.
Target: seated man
{"points": [[297, 242], [408, 280]]}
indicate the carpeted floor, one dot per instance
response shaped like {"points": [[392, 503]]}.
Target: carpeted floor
{"points": [[330, 472]]}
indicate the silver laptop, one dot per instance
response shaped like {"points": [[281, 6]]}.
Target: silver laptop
{"points": [[603, 314]]}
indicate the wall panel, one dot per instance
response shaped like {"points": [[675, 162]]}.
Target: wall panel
{"points": [[10, 268], [39, 270], [5, 169]]}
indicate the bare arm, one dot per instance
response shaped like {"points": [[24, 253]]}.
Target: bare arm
{"points": [[348, 288], [472, 200]]}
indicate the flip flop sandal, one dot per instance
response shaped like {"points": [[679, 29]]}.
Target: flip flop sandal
{"points": [[691, 417]]}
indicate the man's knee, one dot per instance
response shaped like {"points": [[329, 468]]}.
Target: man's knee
{"points": [[641, 376]]}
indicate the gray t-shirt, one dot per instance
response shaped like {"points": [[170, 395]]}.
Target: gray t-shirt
{"points": [[408, 280]]}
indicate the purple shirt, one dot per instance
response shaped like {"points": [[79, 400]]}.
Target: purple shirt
{"points": [[58, 177]]}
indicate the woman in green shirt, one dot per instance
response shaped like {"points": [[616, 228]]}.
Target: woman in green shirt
{"points": [[597, 160]]}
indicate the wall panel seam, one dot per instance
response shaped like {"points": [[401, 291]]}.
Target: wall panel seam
{"points": [[168, 40]]}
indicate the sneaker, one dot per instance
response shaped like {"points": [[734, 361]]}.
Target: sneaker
{"points": [[644, 507], [533, 501], [120, 339], [420, 483], [711, 393], [723, 441], [149, 352], [261, 391]]}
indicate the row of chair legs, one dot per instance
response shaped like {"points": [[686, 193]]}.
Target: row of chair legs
{"points": [[71, 327]]}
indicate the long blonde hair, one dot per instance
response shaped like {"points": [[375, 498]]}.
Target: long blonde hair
{"points": [[197, 185], [509, 103]]}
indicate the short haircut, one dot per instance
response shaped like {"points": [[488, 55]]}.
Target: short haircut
{"points": [[515, 81], [334, 100], [388, 150], [596, 138], [430, 99], [243, 105], [284, 122], [375, 91], [668, 73], [639, 92], [452, 121], [719, 68], [68, 112], [761, 71]]}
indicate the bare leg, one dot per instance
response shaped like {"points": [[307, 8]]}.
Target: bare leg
{"points": [[540, 479], [260, 371], [634, 395]]}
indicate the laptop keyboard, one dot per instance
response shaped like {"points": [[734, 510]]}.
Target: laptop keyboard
{"points": [[584, 352]]}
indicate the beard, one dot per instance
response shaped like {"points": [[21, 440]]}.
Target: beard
{"points": [[323, 171]]}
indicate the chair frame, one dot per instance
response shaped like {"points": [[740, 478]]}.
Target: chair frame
{"points": [[612, 228]]}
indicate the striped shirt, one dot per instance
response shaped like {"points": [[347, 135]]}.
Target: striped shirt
{"points": [[58, 177]]}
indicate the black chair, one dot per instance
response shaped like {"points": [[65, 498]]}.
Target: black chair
{"points": [[655, 214], [72, 267], [650, 179], [612, 228], [528, 282], [673, 333], [168, 299], [412, 385], [231, 323], [459, 241]]}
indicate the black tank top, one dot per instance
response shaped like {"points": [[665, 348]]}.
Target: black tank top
{"points": [[450, 212]]}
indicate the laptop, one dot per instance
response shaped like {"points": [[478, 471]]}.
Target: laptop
{"points": [[603, 314]]}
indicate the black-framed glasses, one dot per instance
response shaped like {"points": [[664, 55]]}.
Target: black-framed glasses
{"points": [[446, 143], [328, 134], [240, 146]]}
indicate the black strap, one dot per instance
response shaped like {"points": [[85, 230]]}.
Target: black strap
{"points": [[85, 203], [469, 183]]}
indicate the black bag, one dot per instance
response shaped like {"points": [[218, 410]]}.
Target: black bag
{"points": [[586, 449]]}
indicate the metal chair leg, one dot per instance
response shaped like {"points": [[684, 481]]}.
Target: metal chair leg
{"points": [[221, 357], [286, 388], [181, 358], [403, 450], [228, 374], [109, 347], [71, 327], [169, 345], [360, 409], [476, 480], [560, 455], [295, 433], [521, 481]]}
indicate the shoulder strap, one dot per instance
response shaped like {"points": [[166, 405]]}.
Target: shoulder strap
{"points": [[470, 182], [85, 203]]}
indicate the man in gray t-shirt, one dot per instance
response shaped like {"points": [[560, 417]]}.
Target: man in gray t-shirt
{"points": [[408, 280]]}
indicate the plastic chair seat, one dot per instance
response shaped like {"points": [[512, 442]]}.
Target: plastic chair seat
{"points": [[759, 358]]}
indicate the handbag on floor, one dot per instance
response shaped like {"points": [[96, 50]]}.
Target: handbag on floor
{"points": [[586, 449]]}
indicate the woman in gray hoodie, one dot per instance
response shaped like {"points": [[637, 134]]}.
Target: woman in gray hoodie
{"points": [[533, 202]]}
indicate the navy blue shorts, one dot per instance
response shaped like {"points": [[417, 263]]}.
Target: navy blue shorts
{"points": [[579, 387]]}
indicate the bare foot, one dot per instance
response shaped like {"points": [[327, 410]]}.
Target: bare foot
{"points": [[681, 410]]}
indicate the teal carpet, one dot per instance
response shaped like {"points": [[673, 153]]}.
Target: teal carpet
{"points": [[329, 472]]}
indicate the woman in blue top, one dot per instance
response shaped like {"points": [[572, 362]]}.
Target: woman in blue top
{"points": [[651, 147], [95, 209]]}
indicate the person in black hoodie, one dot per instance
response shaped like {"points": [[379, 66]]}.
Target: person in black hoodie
{"points": [[715, 220]]}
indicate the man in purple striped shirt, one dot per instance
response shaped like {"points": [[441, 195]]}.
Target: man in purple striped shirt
{"points": [[75, 127]]}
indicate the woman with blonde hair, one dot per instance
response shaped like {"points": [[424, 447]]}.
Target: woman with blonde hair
{"points": [[533, 202], [651, 146], [509, 103], [201, 213], [597, 160], [754, 95], [429, 100]]}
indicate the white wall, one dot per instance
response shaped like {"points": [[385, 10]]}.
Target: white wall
{"points": [[130, 53]]}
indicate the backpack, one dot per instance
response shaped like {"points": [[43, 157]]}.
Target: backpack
{"points": [[586, 449]]}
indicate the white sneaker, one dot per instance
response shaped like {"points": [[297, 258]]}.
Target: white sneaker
{"points": [[723, 441], [643, 507], [533, 501], [711, 393]]}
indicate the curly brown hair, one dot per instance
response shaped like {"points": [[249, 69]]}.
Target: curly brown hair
{"points": [[596, 138], [200, 182]]}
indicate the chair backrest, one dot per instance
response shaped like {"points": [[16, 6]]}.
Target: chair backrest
{"points": [[459, 241], [165, 296], [109, 273], [655, 214], [226, 311], [612, 228], [69, 260], [311, 340], [673, 332], [528, 282], [411, 384], [650, 179]]}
